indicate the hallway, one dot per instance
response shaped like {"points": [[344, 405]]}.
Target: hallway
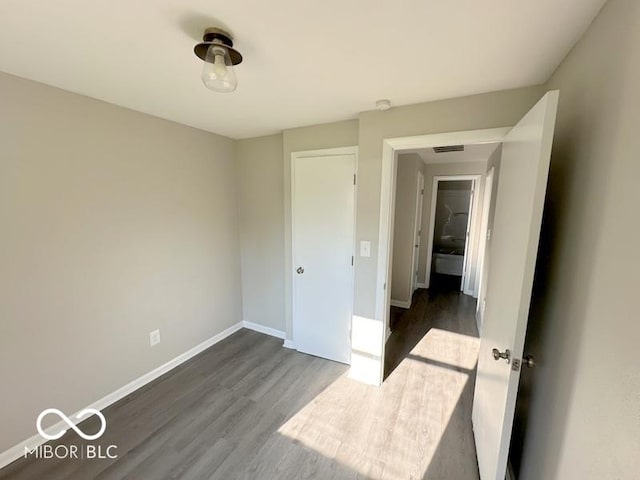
{"points": [[443, 307]]}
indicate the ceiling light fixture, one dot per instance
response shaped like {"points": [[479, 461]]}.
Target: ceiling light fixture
{"points": [[219, 56]]}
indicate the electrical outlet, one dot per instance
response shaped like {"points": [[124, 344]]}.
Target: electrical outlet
{"points": [[154, 338]]}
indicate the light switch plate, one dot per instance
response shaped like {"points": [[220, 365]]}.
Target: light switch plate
{"points": [[154, 338], [365, 248]]}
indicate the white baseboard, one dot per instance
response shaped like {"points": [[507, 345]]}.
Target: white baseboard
{"points": [[401, 303], [470, 292], [17, 450], [478, 322], [289, 344], [262, 329]]}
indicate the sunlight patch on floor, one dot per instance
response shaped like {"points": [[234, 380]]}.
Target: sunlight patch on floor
{"points": [[450, 348], [393, 431]]}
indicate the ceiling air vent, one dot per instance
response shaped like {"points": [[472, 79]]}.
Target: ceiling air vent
{"points": [[449, 148]]}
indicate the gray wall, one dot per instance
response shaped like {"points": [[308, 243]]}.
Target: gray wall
{"points": [[114, 223], [261, 196], [404, 225], [583, 401]]}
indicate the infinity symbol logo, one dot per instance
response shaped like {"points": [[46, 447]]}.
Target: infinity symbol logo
{"points": [[79, 416]]}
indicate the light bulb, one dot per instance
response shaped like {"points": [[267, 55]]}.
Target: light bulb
{"points": [[217, 71], [219, 67]]}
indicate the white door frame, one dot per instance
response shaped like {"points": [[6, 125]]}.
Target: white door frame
{"points": [[475, 180], [417, 233], [390, 148], [325, 152]]}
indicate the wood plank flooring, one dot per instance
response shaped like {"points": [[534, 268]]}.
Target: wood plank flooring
{"points": [[249, 409]]}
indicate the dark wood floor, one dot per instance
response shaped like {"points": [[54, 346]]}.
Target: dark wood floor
{"points": [[248, 408]]}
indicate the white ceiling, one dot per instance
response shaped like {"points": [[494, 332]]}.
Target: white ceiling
{"points": [[479, 152], [305, 62]]}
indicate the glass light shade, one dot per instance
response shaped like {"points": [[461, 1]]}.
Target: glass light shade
{"points": [[217, 71]]}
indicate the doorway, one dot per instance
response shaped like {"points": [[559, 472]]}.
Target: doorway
{"points": [[451, 198], [452, 233], [524, 166]]}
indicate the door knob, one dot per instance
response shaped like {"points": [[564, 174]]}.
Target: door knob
{"points": [[497, 354], [529, 361], [300, 270]]}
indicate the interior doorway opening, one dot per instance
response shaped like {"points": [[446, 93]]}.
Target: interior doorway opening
{"points": [[452, 233], [437, 228], [516, 211], [453, 209]]}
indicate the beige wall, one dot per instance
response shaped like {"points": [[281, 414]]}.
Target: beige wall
{"points": [[404, 225], [317, 137], [584, 397], [438, 169], [114, 223], [261, 196]]}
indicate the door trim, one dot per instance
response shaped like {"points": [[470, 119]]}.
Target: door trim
{"points": [[417, 238], [326, 152], [390, 148]]}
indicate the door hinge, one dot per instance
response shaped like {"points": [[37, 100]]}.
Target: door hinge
{"points": [[354, 178], [422, 192], [352, 260]]}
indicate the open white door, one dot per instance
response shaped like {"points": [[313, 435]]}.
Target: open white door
{"points": [[523, 181], [323, 200], [466, 277], [417, 233], [484, 242]]}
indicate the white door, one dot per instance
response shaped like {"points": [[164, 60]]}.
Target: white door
{"points": [[417, 232], [323, 200], [483, 252], [514, 242], [466, 277]]}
